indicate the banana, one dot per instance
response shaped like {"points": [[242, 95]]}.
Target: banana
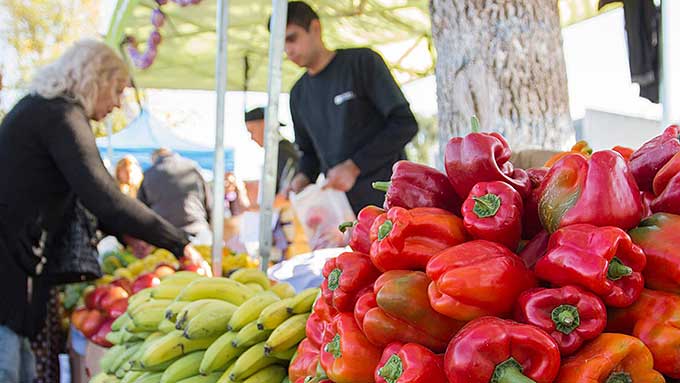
{"points": [[171, 346], [219, 354], [250, 362], [211, 321], [251, 276], [133, 363], [268, 375], [191, 310], [147, 316], [211, 378], [120, 322], [287, 335], [225, 376], [115, 337], [250, 335], [286, 355], [169, 290], [174, 309], [184, 367], [123, 356], [150, 377], [139, 298], [166, 326], [130, 337], [107, 360], [254, 287], [103, 378], [303, 302], [181, 276], [283, 290], [250, 310], [131, 376], [275, 314], [216, 288]]}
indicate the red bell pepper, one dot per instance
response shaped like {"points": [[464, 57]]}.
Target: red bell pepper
{"points": [[314, 329], [482, 157], [647, 200], [493, 350], [600, 191], [611, 358], [475, 279], [655, 320], [580, 147], [347, 356], [360, 237], [414, 185], [344, 278], [305, 361], [493, 211], [531, 222], [659, 238], [569, 314], [625, 152], [409, 363], [603, 260], [100, 336], [653, 155], [667, 187], [407, 239], [399, 310], [325, 311], [535, 249]]}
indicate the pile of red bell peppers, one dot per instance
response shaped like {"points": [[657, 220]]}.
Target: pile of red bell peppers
{"points": [[492, 274]]}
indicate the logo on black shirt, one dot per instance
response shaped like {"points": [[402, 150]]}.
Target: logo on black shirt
{"points": [[343, 97]]}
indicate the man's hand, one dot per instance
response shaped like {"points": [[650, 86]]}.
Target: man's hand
{"points": [[193, 257], [342, 176], [298, 184]]}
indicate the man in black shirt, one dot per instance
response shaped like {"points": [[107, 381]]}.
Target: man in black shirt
{"points": [[351, 119], [288, 153]]}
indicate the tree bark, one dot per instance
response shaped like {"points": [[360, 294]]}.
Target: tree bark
{"points": [[502, 60]]}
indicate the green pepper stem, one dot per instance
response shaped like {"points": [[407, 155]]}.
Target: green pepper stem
{"points": [[509, 371], [486, 205], [392, 370], [474, 124], [346, 225], [334, 279], [566, 318], [619, 377], [618, 270], [333, 347], [381, 185], [384, 230]]}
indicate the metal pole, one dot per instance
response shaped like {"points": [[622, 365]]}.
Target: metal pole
{"points": [[109, 146], [271, 136], [670, 64], [218, 169]]}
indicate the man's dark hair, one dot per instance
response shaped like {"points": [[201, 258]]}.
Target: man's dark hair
{"points": [[300, 14]]}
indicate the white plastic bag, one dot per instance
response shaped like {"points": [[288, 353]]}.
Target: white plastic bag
{"points": [[321, 212]]}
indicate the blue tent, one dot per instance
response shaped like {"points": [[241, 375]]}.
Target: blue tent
{"points": [[146, 134]]}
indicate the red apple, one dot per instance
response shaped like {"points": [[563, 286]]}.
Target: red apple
{"points": [[124, 283], [100, 336], [115, 293], [118, 308], [145, 281], [92, 322], [163, 271], [78, 317], [94, 298]]}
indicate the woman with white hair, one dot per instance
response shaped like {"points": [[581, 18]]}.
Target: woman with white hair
{"points": [[48, 156]]}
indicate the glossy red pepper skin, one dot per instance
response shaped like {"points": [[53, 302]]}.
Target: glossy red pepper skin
{"points": [[415, 185], [314, 329], [647, 200], [360, 235], [569, 314], [667, 187], [531, 222], [535, 249], [653, 155], [475, 279], [407, 239], [493, 212], [654, 319], [659, 237], [399, 310], [482, 157], [495, 350], [344, 279], [305, 361], [409, 363], [600, 191], [347, 356], [324, 311], [625, 152], [603, 260]]}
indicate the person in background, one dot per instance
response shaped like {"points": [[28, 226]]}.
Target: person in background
{"points": [[48, 151], [174, 188], [351, 120], [289, 156], [129, 176]]}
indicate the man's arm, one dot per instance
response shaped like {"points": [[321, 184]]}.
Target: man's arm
{"points": [[400, 124]]}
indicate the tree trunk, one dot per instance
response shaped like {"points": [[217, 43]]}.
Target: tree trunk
{"points": [[502, 60]]}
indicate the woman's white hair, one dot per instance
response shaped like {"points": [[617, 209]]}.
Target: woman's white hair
{"points": [[80, 73]]}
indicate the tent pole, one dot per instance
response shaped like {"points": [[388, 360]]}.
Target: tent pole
{"points": [[218, 170], [109, 146], [670, 56], [271, 136]]}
